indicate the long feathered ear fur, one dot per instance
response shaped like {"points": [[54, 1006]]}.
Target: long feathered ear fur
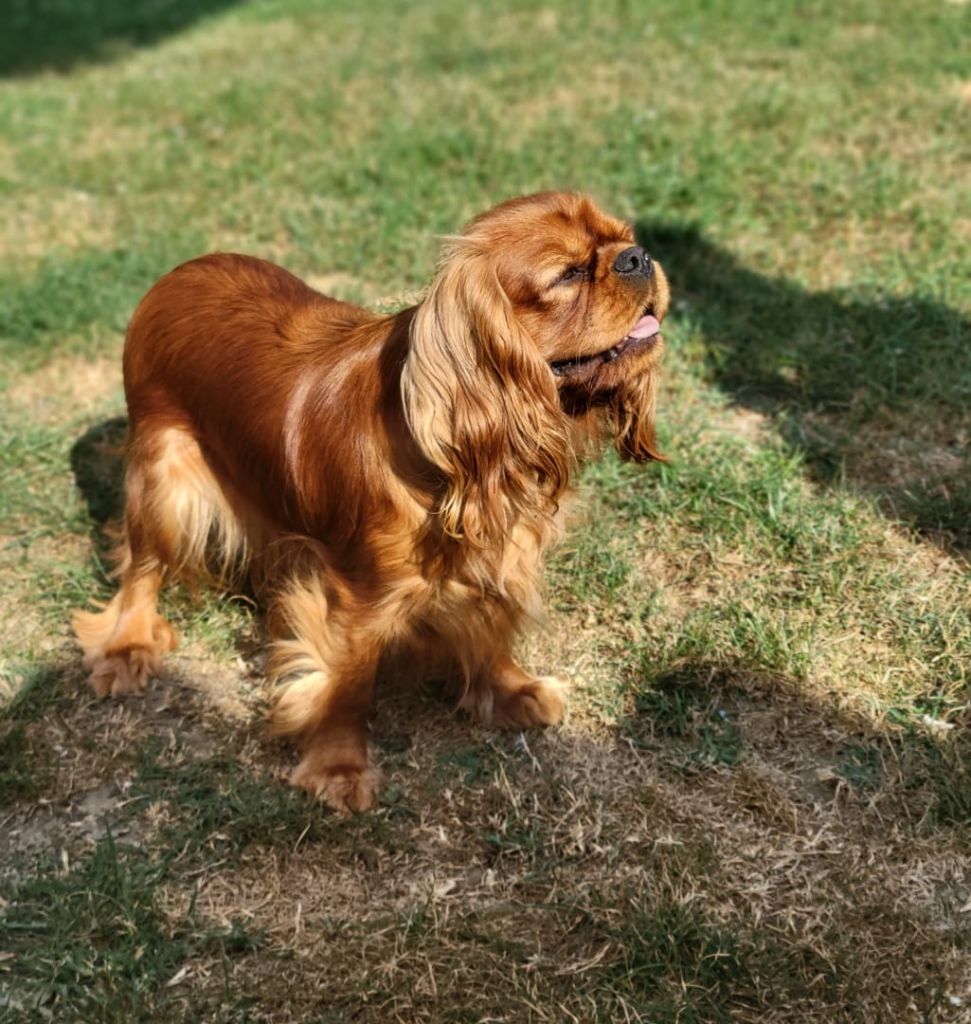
{"points": [[482, 404], [632, 409]]}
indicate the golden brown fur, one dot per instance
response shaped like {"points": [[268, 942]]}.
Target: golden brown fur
{"points": [[386, 482]]}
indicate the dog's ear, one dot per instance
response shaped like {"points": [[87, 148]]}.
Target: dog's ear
{"points": [[632, 408], [482, 404]]}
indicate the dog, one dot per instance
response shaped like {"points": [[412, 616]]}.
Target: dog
{"points": [[384, 483]]}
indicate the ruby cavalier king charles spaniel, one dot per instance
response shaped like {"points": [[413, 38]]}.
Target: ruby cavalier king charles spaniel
{"points": [[386, 485]]}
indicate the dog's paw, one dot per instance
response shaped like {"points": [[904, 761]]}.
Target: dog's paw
{"points": [[540, 702], [121, 665], [344, 787], [122, 673]]}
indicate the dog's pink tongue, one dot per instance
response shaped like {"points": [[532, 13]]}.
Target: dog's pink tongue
{"points": [[646, 327]]}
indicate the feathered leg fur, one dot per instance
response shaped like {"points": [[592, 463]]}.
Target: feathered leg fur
{"points": [[175, 512], [325, 666]]}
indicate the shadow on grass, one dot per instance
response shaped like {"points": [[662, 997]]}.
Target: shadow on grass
{"points": [[772, 759], [703, 715], [97, 463], [56, 35], [874, 391]]}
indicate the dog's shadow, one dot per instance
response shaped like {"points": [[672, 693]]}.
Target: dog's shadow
{"points": [[97, 461], [873, 391]]}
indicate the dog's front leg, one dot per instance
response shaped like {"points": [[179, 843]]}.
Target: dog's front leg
{"points": [[326, 667], [335, 764]]}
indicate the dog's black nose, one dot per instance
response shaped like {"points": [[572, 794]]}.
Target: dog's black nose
{"points": [[634, 262]]}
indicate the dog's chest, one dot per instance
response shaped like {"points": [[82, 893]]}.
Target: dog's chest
{"points": [[489, 584]]}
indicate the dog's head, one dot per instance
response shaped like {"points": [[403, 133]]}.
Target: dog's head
{"points": [[544, 311]]}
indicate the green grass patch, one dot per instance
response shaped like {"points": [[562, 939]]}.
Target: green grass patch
{"points": [[680, 705]]}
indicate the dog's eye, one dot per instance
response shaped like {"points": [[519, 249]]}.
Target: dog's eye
{"points": [[577, 273]]}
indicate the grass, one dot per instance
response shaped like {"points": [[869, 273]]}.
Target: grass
{"points": [[98, 945], [759, 808]]}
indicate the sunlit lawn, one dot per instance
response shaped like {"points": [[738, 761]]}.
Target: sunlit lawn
{"points": [[759, 809]]}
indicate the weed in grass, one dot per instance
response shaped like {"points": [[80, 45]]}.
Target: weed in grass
{"points": [[861, 766], [469, 765], [719, 740]]}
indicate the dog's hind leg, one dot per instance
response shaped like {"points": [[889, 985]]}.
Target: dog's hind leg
{"points": [[123, 644], [174, 508]]}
